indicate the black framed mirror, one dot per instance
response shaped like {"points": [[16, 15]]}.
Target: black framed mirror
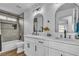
{"points": [[38, 23]]}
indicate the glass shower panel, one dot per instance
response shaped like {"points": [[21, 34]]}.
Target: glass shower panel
{"points": [[9, 32]]}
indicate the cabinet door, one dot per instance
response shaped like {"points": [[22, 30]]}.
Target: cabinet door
{"points": [[29, 48], [46, 51], [66, 54], [39, 50], [54, 52]]}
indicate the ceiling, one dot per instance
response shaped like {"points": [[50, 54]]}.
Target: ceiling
{"points": [[17, 8]]}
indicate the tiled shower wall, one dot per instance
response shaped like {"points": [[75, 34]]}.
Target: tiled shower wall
{"points": [[8, 32]]}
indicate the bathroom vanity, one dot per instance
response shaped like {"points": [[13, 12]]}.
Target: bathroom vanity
{"points": [[60, 24], [45, 46]]}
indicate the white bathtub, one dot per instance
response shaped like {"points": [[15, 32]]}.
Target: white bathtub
{"points": [[10, 45]]}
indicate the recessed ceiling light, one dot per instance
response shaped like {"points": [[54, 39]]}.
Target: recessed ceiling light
{"points": [[18, 6]]}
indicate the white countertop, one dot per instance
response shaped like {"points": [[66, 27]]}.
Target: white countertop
{"points": [[61, 40]]}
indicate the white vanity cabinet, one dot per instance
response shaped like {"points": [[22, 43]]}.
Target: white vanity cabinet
{"points": [[42, 49], [35, 46], [63, 49], [66, 54], [57, 52], [29, 47], [39, 51], [54, 52]]}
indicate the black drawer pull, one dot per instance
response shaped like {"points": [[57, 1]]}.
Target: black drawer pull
{"points": [[35, 48], [28, 45], [61, 54], [41, 42]]}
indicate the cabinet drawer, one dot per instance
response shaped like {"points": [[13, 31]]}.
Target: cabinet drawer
{"points": [[37, 41], [54, 52], [66, 54], [42, 42], [73, 49], [29, 39]]}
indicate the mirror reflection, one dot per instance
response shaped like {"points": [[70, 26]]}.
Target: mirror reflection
{"points": [[38, 23]]}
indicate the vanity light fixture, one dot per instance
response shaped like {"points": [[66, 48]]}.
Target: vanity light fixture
{"points": [[37, 9]]}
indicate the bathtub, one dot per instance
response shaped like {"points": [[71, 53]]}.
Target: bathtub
{"points": [[10, 45]]}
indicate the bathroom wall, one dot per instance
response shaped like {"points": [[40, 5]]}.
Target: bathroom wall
{"points": [[28, 21], [68, 10], [48, 11], [9, 33]]}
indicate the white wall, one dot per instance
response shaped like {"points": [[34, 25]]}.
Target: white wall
{"points": [[28, 21], [48, 12]]}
